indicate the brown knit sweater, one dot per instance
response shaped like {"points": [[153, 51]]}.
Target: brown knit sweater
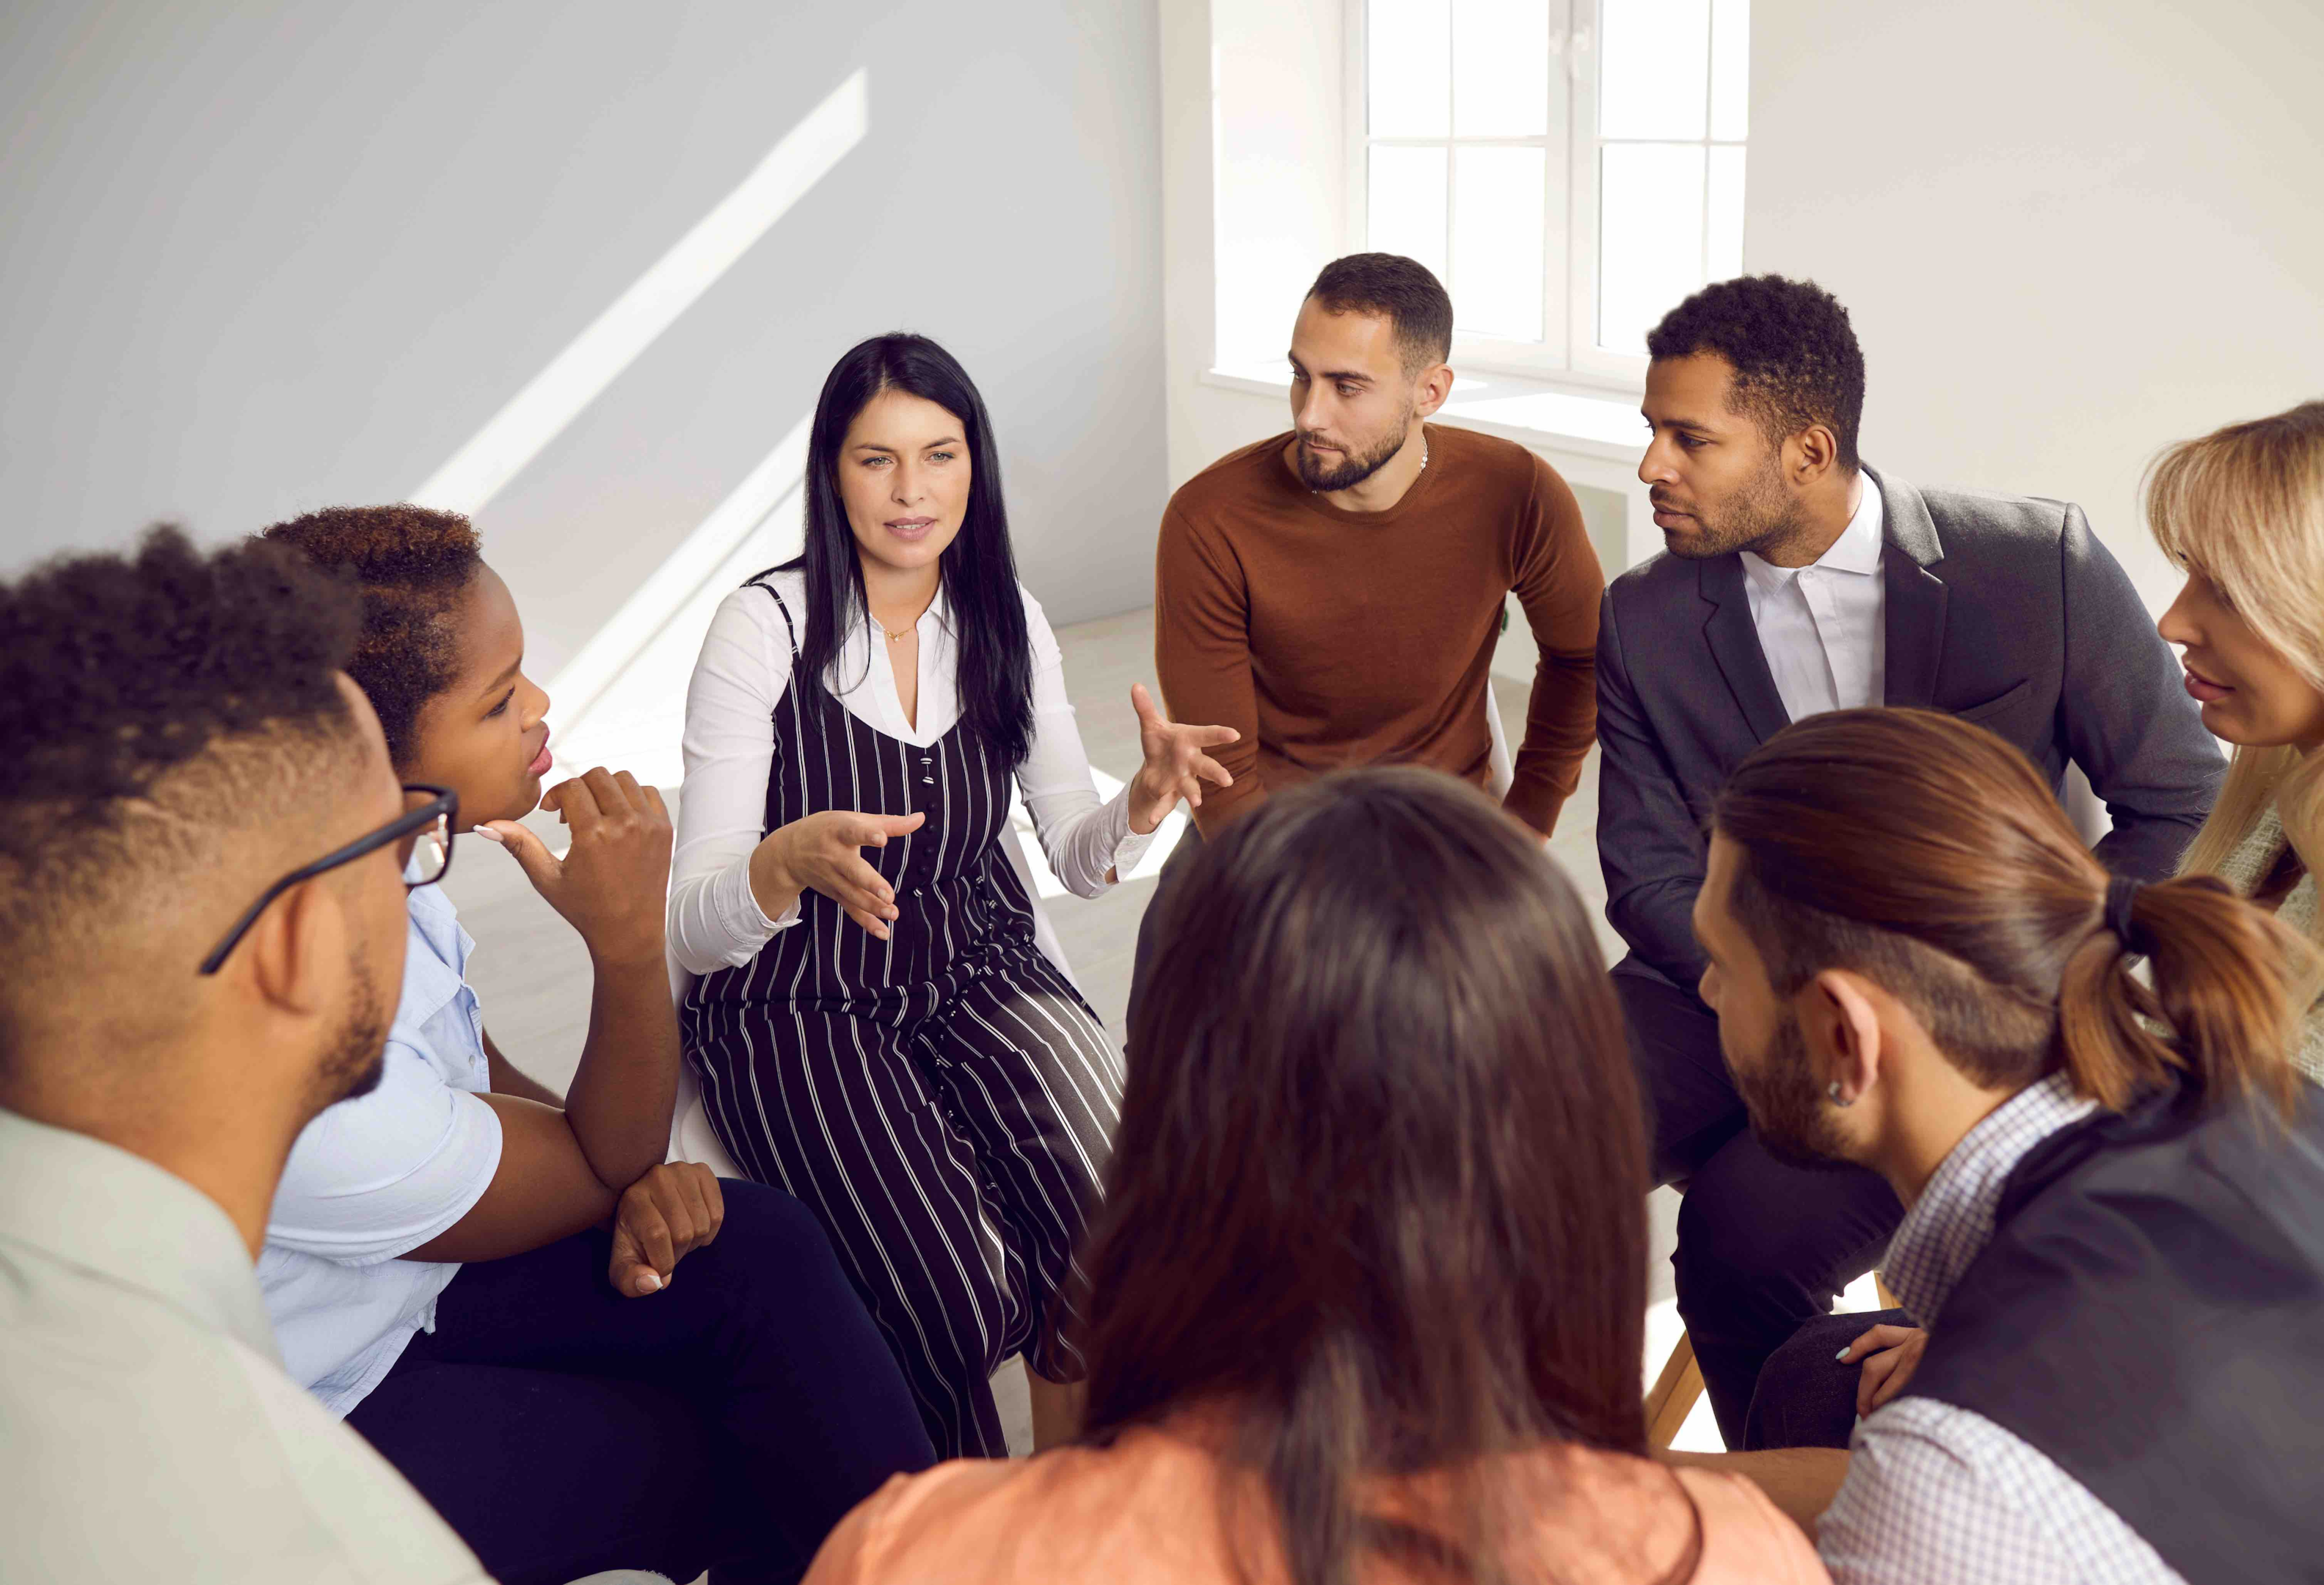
{"points": [[1331, 638]]}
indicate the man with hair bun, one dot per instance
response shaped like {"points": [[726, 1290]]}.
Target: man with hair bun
{"points": [[1335, 594], [201, 911], [1796, 580], [2081, 1086]]}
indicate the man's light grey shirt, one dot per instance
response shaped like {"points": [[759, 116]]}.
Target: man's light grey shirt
{"points": [[147, 1431], [1936, 1492]]}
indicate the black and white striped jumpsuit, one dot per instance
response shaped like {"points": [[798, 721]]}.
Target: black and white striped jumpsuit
{"points": [[944, 1101]]}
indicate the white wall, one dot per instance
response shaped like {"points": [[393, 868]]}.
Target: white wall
{"points": [[1254, 199], [264, 257], [2067, 234]]}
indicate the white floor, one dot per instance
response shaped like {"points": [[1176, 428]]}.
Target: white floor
{"points": [[531, 972]]}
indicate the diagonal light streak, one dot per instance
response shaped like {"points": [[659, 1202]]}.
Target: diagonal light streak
{"points": [[592, 360], [670, 587]]}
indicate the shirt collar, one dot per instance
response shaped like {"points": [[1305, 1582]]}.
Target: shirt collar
{"points": [[435, 960], [1951, 1222], [1856, 550], [93, 1206]]}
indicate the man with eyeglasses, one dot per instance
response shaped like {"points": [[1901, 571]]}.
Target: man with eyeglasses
{"points": [[202, 919]]}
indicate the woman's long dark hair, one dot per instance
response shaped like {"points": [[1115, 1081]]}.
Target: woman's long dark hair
{"points": [[1379, 1192], [978, 568]]}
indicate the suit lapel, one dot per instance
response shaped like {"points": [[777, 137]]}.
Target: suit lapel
{"points": [[1734, 641], [1914, 595]]}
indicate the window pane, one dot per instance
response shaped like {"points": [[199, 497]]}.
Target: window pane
{"points": [[1649, 237], [1730, 69], [1497, 242], [1725, 242], [1408, 49], [1406, 204], [1500, 68], [1653, 70]]}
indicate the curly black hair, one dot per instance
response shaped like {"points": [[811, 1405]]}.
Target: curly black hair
{"points": [[1793, 352], [147, 701], [412, 565]]}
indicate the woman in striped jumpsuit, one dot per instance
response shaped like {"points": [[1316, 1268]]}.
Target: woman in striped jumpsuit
{"points": [[874, 1029]]}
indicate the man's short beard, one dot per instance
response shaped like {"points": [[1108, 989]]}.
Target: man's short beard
{"points": [[1358, 465], [1762, 514], [1788, 1113], [358, 1054]]}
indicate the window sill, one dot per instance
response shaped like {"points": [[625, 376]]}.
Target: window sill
{"points": [[1531, 412]]}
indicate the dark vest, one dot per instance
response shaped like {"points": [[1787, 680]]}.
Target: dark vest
{"points": [[2150, 1315]]}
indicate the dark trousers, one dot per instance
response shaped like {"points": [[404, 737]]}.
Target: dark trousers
{"points": [[727, 1422], [1763, 1248], [955, 1159], [1149, 923], [1806, 1397]]}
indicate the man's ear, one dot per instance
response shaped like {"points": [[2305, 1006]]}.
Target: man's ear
{"points": [[1841, 1026], [1434, 389], [1811, 455], [287, 950]]}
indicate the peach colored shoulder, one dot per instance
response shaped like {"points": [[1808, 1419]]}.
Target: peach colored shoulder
{"points": [[1745, 1537], [1118, 1515]]}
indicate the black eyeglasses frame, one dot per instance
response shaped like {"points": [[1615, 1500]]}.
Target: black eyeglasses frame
{"points": [[445, 806]]}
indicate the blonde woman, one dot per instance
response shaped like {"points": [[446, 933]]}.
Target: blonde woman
{"points": [[2242, 512]]}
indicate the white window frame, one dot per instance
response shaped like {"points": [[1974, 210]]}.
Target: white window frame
{"points": [[1568, 352]]}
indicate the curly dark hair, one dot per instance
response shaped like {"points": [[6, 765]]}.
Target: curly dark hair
{"points": [[146, 704], [412, 564], [1794, 354], [1403, 290]]}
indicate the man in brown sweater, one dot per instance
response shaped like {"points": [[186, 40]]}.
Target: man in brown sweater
{"points": [[1334, 593]]}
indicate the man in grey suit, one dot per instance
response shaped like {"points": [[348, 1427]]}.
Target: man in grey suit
{"points": [[1796, 580]]}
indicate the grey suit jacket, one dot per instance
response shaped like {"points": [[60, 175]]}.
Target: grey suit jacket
{"points": [[2001, 610]]}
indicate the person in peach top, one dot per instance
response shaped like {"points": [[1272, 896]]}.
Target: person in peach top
{"points": [[1366, 1299]]}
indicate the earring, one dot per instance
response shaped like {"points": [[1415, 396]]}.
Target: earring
{"points": [[1832, 1093]]}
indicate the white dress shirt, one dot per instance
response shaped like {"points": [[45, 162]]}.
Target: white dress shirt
{"points": [[373, 1177], [1939, 1492], [147, 1431], [714, 920], [1824, 627]]}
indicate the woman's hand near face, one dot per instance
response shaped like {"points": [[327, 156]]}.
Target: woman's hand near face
{"points": [[1176, 764], [824, 852], [613, 884]]}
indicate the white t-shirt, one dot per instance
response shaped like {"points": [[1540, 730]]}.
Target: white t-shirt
{"points": [[714, 920], [373, 1177]]}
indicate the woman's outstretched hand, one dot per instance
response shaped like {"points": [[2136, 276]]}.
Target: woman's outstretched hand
{"points": [[825, 853], [1176, 764]]}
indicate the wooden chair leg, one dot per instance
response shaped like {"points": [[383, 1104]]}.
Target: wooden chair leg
{"points": [[1673, 1395]]}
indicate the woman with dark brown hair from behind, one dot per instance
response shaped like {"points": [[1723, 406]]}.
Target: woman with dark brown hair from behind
{"points": [[1367, 1300]]}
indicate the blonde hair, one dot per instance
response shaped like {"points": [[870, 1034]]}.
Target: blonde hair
{"points": [[2243, 506]]}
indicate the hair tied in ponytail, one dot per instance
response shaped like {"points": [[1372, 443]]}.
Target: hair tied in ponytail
{"points": [[2121, 899]]}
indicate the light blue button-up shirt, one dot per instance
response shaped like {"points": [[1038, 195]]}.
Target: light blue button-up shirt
{"points": [[376, 1176]]}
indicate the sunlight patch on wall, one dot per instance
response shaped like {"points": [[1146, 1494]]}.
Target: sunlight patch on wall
{"points": [[620, 701], [596, 358]]}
